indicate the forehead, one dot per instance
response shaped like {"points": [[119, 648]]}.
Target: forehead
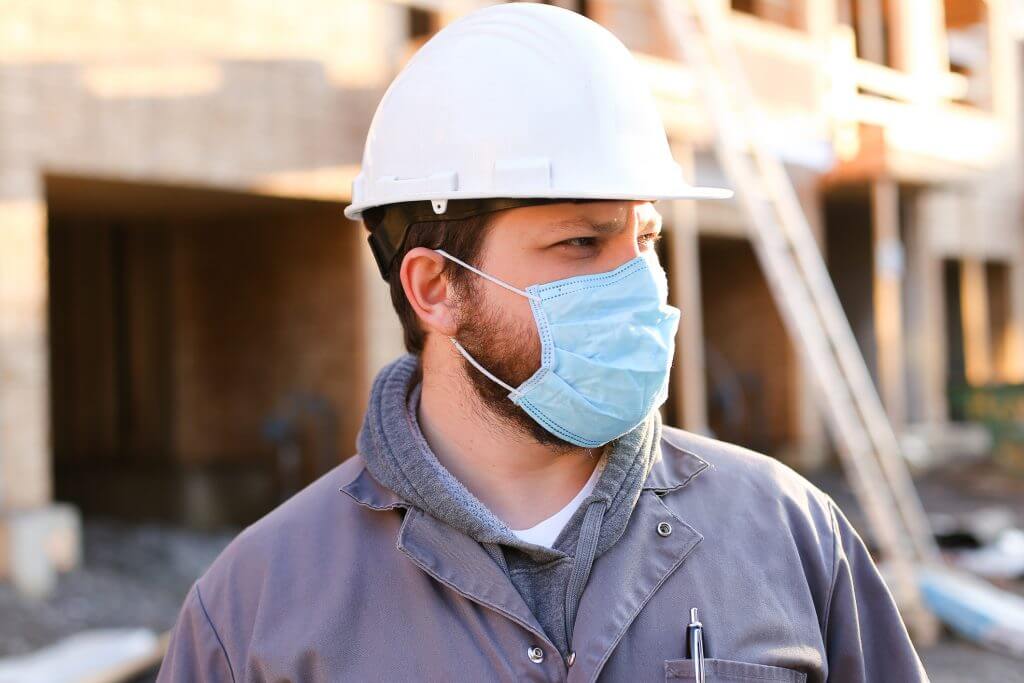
{"points": [[600, 216]]}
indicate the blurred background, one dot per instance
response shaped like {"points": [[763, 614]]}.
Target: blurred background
{"points": [[189, 325]]}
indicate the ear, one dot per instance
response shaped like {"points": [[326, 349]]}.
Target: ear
{"points": [[427, 290]]}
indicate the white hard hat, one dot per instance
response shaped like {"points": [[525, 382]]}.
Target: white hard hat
{"points": [[519, 100]]}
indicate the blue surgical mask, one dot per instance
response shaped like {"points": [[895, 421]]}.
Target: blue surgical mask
{"points": [[607, 342]]}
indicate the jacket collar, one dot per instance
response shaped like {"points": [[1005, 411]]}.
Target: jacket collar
{"points": [[667, 474], [676, 467], [366, 491], [640, 559]]}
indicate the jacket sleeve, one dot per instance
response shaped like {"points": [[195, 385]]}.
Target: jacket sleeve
{"points": [[195, 652], [865, 637]]}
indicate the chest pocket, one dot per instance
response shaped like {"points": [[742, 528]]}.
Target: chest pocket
{"points": [[716, 670]]}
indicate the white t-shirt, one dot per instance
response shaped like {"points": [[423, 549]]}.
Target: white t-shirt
{"points": [[546, 531]]}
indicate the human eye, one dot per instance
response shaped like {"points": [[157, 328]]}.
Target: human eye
{"points": [[582, 242]]}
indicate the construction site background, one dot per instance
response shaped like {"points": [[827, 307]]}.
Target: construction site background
{"points": [[189, 326]]}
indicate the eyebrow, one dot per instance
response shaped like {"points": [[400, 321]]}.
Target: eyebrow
{"points": [[604, 228]]}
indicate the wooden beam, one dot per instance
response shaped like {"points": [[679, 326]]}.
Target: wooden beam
{"points": [[1004, 69], [1014, 353], [888, 296], [870, 30], [877, 79], [974, 309], [917, 42], [689, 386], [819, 19], [844, 12]]}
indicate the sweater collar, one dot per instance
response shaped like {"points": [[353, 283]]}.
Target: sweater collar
{"points": [[383, 480], [398, 457], [667, 475]]}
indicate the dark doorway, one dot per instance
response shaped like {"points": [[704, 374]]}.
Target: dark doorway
{"points": [[206, 358], [750, 362]]}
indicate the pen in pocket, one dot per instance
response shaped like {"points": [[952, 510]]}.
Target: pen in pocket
{"points": [[695, 645]]}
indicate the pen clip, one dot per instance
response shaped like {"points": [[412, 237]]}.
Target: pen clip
{"points": [[695, 645]]}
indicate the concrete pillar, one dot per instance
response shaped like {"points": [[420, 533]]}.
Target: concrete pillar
{"points": [[36, 537], [926, 317]]}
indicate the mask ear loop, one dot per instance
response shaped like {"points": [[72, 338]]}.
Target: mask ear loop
{"points": [[513, 393], [485, 276]]}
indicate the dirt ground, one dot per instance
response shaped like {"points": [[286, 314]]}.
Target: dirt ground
{"points": [[136, 575], [132, 575], [955, 660], [957, 491]]}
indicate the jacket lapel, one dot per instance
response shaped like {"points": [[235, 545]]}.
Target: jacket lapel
{"points": [[628, 574], [447, 555], [624, 579], [463, 565]]}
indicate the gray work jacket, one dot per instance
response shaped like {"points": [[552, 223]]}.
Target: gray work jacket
{"points": [[348, 582]]}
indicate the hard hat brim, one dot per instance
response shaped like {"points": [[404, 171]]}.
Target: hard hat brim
{"points": [[355, 210]]}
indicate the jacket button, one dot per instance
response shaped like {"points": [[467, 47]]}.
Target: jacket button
{"points": [[571, 659], [664, 528], [535, 654]]}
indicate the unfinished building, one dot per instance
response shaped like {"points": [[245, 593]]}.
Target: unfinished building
{"points": [[189, 326]]}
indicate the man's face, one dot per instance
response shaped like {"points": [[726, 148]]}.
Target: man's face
{"points": [[535, 245]]}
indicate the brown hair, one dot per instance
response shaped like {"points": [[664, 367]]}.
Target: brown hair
{"points": [[462, 239]]}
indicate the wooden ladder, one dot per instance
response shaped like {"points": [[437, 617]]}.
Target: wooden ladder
{"points": [[803, 291]]}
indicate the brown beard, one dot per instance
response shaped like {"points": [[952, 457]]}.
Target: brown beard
{"points": [[511, 352]]}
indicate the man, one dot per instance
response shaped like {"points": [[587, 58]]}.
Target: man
{"points": [[516, 510]]}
